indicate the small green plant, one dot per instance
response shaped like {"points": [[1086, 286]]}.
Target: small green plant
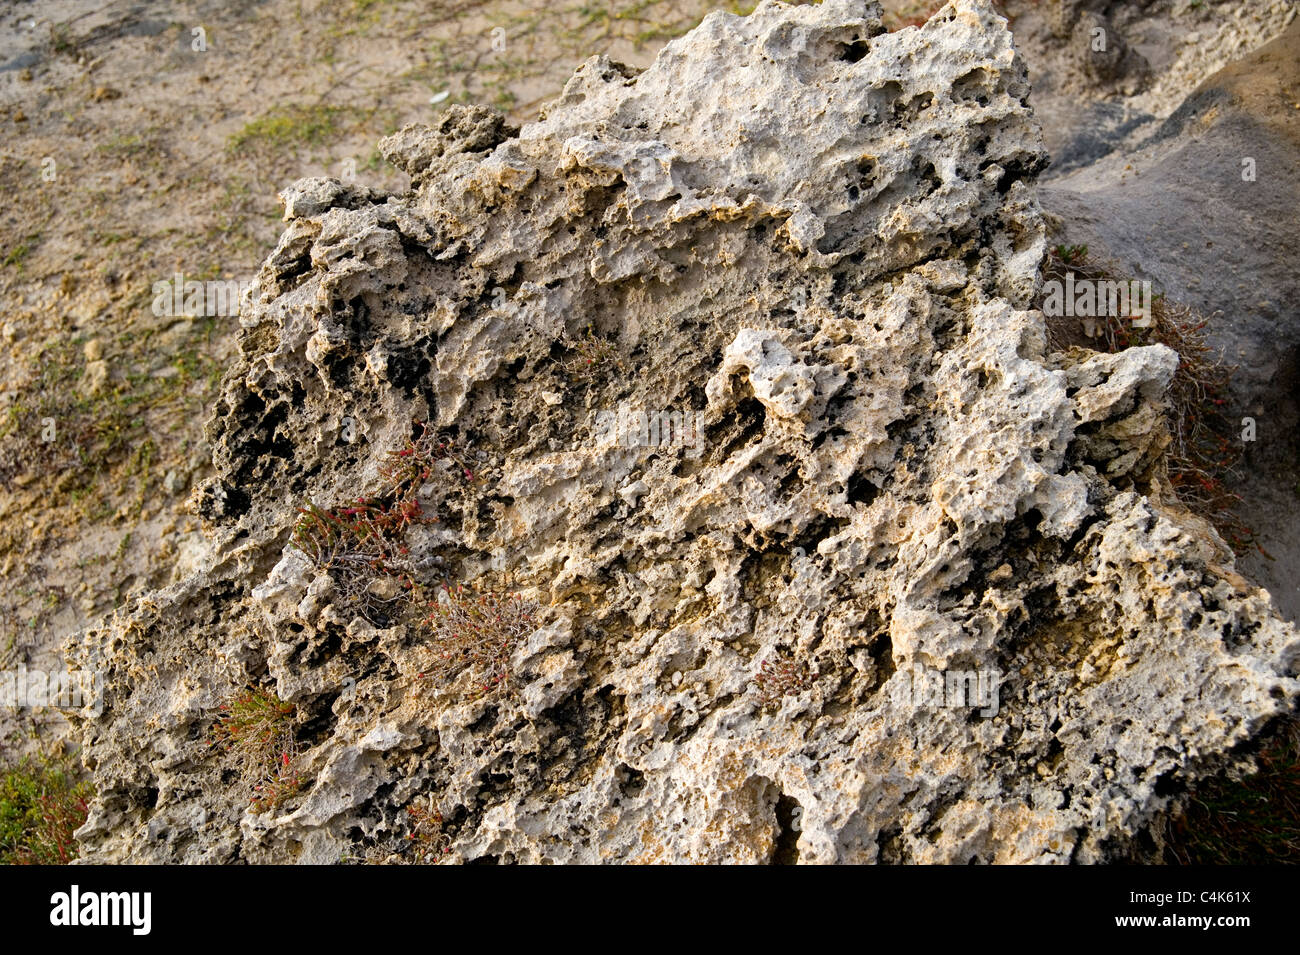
{"points": [[255, 732], [61, 39], [780, 677], [476, 635], [428, 839], [362, 545], [1071, 254], [19, 251], [407, 469], [41, 806], [288, 127], [592, 355]]}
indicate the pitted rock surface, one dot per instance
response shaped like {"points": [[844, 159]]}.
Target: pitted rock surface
{"points": [[824, 239]]}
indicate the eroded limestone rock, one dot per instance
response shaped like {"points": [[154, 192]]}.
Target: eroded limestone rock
{"points": [[823, 238]]}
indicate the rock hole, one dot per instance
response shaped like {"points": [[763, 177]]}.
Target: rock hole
{"points": [[861, 490], [972, 85], [632, 780], [785, 851], [852, 52]]}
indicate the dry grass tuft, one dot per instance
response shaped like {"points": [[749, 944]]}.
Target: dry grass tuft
{"points": [[1205, 448]]}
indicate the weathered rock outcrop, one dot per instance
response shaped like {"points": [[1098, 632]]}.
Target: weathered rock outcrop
{"points": [[1205, 207], [822, 239], [1107, 73]]}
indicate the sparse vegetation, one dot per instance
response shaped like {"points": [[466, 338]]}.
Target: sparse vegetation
{"points": [[475, 635], [291, 127], [256, 733], [61, 39], [16, 253], [780, 677], [90, 437], [409, 467], [361, 548], [53, 426], [1205, 448], [428, 839], [362, 545], [41, 806], [593, 355], [1253, 821]]}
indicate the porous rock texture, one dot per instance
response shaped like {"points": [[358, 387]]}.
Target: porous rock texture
{"points": [[822, 237]]}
